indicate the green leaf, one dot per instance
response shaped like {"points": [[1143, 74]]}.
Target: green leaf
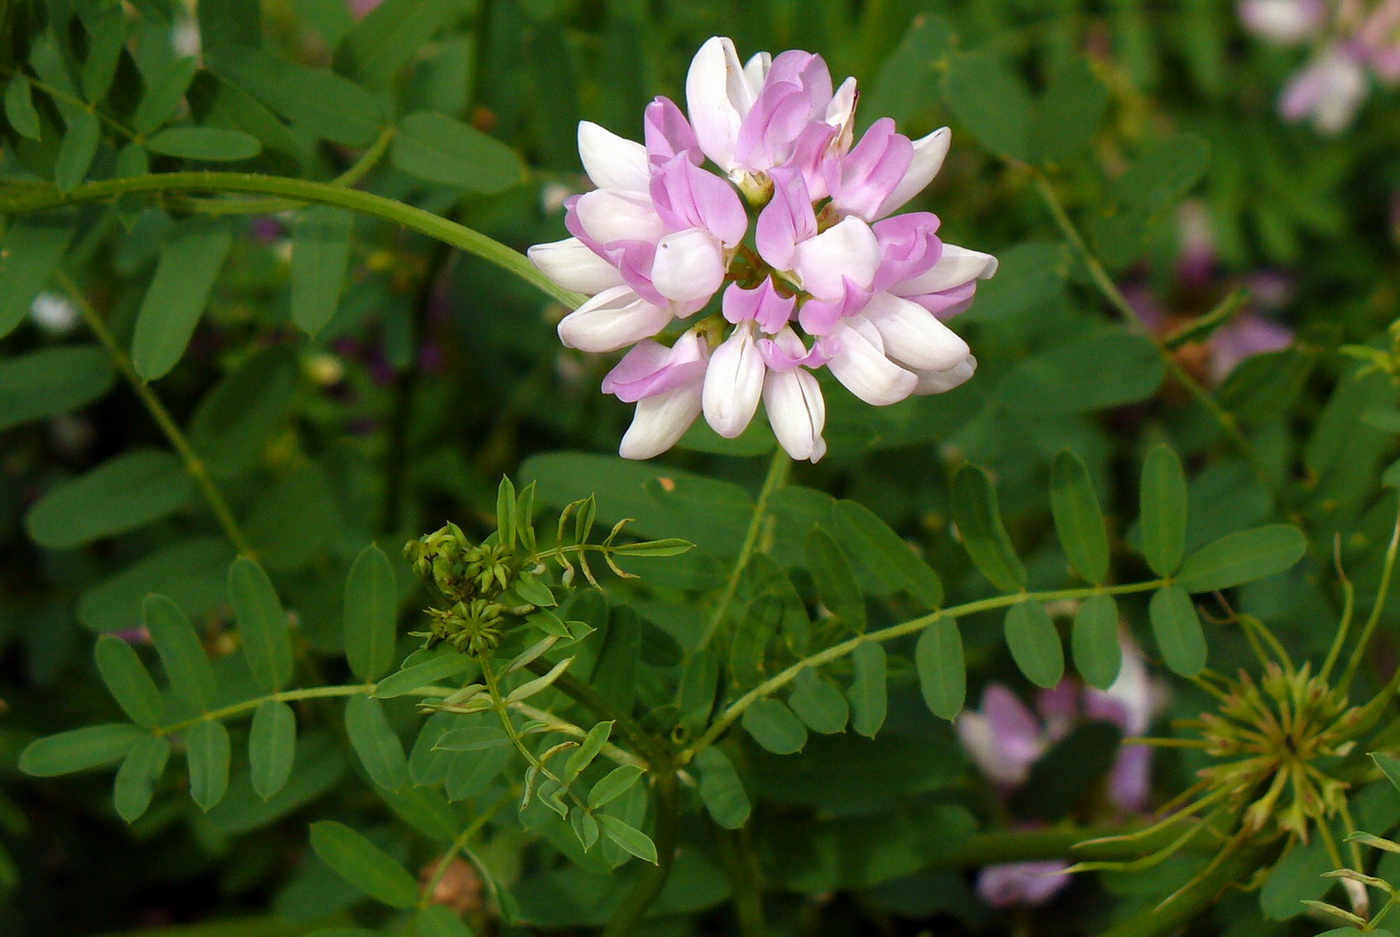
{"points": [[76, 152], [1094, 641], [193, 572], [979, 522], [721, 790], [181, 654], [1094, 370], [51, 381], [320, 101], [938, 658], [613, 785], [262, 624], [136, 778], [272, 747], [819, 704], [207, 749], [189, 262], [1035, 643], [631, 839], [443, 150], [1078, 519], [1295, 878], [1164, 172], [836, 584], [886, 554], [237, 23], [587, 750], [129, 682], [472, 739], [375, 741], [320, 258], [205, 143], [775, 727], [1068, 115], [1389, 765], [1163, 499], [391, 35], [136, 488], [19, 108], [371, 608], [868, 692], [667, 546], [164, 93], [983, 93], [234, 421], [1242, 557], [79, 749], [585, 827], [29, 254], [439, 666], [363, 864], [1178, 631], [440, 921]]}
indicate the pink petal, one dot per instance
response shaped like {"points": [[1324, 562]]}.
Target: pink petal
{"points": [[845, 251]]}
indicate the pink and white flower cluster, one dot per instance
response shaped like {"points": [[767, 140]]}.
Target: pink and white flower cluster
{"points": [[1352, 40], [827, 275], [1005, 739]]}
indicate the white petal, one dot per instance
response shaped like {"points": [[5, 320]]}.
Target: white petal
{"points": [[613, 319], [797, 412], [841, 113], [937, 382], [956, 266], [755, 74], [660, 422], [612, 162], [612, 215], [573, 266], [861, 365], [848, 249], [733, 383], [912, 336], [689, 266], [717, 97], [929, 152]]}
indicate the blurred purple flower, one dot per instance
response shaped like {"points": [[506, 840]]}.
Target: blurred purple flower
{"points": [[1328, 91], [1005, 738], [1286, 22]]}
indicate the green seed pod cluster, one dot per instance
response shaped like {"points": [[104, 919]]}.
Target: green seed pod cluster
{"points": [[475, 580]]}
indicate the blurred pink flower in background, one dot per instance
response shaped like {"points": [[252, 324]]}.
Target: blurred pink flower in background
{"points": [[1005, 738], [1352, 41]]}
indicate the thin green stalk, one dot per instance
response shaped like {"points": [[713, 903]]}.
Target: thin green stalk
{"points": [[425, 898], [1359, 652], [270, 206], [778, 470], [745, 879], [626, 728], [287, 696], [1120, 303], [1240, 861], [781, 679], [301, 190], [194, 465], [664, 832]]}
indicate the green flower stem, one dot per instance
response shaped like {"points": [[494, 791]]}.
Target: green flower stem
{"points": [[1063, 842], [778, 470], [303, 191], [194, 465], [269, 206], [1359, 652], [666, 806], [1120, 303], [652, 750], [425, 898], [1171, 915], [287, 696], [781, 679], [745, 878]]}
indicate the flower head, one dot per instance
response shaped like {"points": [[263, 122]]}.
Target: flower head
{"points": [[831, 277]]}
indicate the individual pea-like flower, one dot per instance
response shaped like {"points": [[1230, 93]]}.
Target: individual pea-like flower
{"points": [[831, 278], [1005, 738]]}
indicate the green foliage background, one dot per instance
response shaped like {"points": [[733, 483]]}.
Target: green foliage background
{"points": [[256, 374]]}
